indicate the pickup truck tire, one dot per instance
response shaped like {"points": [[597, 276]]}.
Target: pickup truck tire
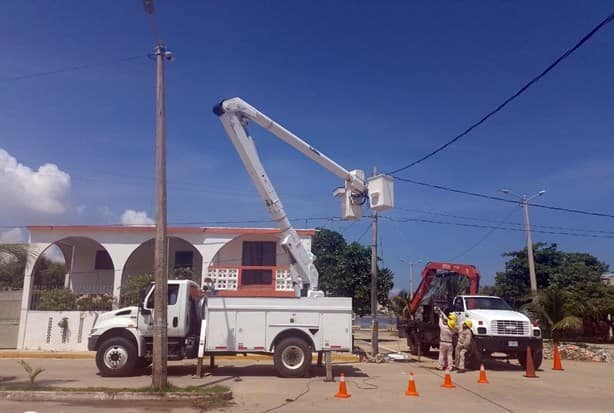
{"points": [[537, 358], [116, 357], [475, 357], [292, 357], [425, 349]]}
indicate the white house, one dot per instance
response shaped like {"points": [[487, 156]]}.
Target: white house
{"points": [[99, 259]]}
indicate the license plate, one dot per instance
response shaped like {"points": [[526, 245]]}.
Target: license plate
{"points": [[512, 344]]}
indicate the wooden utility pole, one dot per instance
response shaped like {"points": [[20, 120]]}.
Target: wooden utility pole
{"points": [[160, 339], [374, 324]]}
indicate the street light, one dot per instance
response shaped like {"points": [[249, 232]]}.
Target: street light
{"points": [[524, 203], [411, 276]]}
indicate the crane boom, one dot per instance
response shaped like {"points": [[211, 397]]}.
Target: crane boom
{"points": [[235, 115]]}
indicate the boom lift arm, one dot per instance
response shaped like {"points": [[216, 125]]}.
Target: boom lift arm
{"points": [[235, 115]]}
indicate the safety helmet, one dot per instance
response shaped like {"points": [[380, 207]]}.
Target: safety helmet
{"points": [[452, 323], [452, 316], [468, 323]]}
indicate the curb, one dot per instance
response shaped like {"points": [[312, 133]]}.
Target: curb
{"points": [[340, 357], [47, 396]]}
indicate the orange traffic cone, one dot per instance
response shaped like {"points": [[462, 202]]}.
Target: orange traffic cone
{"points": [[483, 379], [447, 381], [343, 391], [530, 368], [411, 386], [557, 359]]}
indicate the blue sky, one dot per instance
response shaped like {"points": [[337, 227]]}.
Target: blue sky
{"points": [[368, 83]]}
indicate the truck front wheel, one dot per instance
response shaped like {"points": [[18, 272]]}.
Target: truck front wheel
{"points": [[537, 358], [116, 357], [292, 357]]}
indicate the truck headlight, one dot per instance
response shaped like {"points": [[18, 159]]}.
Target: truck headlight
{"points": [[537, 333], [481, 330]]}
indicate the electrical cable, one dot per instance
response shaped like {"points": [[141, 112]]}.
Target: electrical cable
{"points": [[293, 399], [483, 238], [497, 198], [499, 405], [74, 68], [462, 224], [444, 214], [520, 91]]}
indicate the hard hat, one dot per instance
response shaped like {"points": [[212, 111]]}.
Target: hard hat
{"points": [[468, 323], [452, 323], [452, 316]]}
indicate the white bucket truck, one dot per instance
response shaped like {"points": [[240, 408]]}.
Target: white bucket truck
{"points": [[290, 329]]}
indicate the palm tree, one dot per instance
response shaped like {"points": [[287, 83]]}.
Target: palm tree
{"points": [[400, 304], [556, 313]]}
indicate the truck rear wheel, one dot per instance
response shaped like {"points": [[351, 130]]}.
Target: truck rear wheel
{"points": [[116, 357], [292, 357], [537, 358]]}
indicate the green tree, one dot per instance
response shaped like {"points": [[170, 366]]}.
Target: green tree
{"points": [[13, 258], [552, 267], [345, 271]]}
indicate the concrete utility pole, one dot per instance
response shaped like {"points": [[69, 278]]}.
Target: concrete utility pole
{"points": [[411, 264], [160, 339], [374, 324], [524, 203]]}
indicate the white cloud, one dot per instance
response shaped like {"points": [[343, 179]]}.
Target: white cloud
{"points": [[132, 217], [13, 236], [29, 194]]}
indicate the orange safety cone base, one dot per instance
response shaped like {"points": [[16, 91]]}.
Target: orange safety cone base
{"points": [[530, 368], [557, 359], [343, 391], [411, 387], [482, 379], [447, 382]]}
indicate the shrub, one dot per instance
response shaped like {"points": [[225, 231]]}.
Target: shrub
{"points": [[61, 299], [132, 287]]}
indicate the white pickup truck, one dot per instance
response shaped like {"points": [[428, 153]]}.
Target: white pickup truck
{"points": [[290, 329], [498, 329]]}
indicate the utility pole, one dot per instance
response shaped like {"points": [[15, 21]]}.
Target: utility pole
{"points": [[524, 203], [411, 264], [374, 324], [531, 258], [160, 339]]}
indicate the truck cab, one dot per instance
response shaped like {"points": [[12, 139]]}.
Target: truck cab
{"points": [[497, 328], [123, 339]]}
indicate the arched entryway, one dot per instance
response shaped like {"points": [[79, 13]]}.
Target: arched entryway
{"points": [[73, 273], [184, 262]]}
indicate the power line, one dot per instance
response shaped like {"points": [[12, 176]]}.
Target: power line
{"points": [[463, 224], [190, 223], [74, 68], [444, 214], [497, 198], [483, 238], [511, 98]]}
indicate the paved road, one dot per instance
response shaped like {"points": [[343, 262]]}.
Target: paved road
{"points": [[582, 387]]}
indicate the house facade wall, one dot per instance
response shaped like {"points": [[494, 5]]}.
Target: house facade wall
{"points": [[39, 329]]}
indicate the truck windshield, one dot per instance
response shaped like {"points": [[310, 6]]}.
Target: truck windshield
{"points": [[486, 303]]}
